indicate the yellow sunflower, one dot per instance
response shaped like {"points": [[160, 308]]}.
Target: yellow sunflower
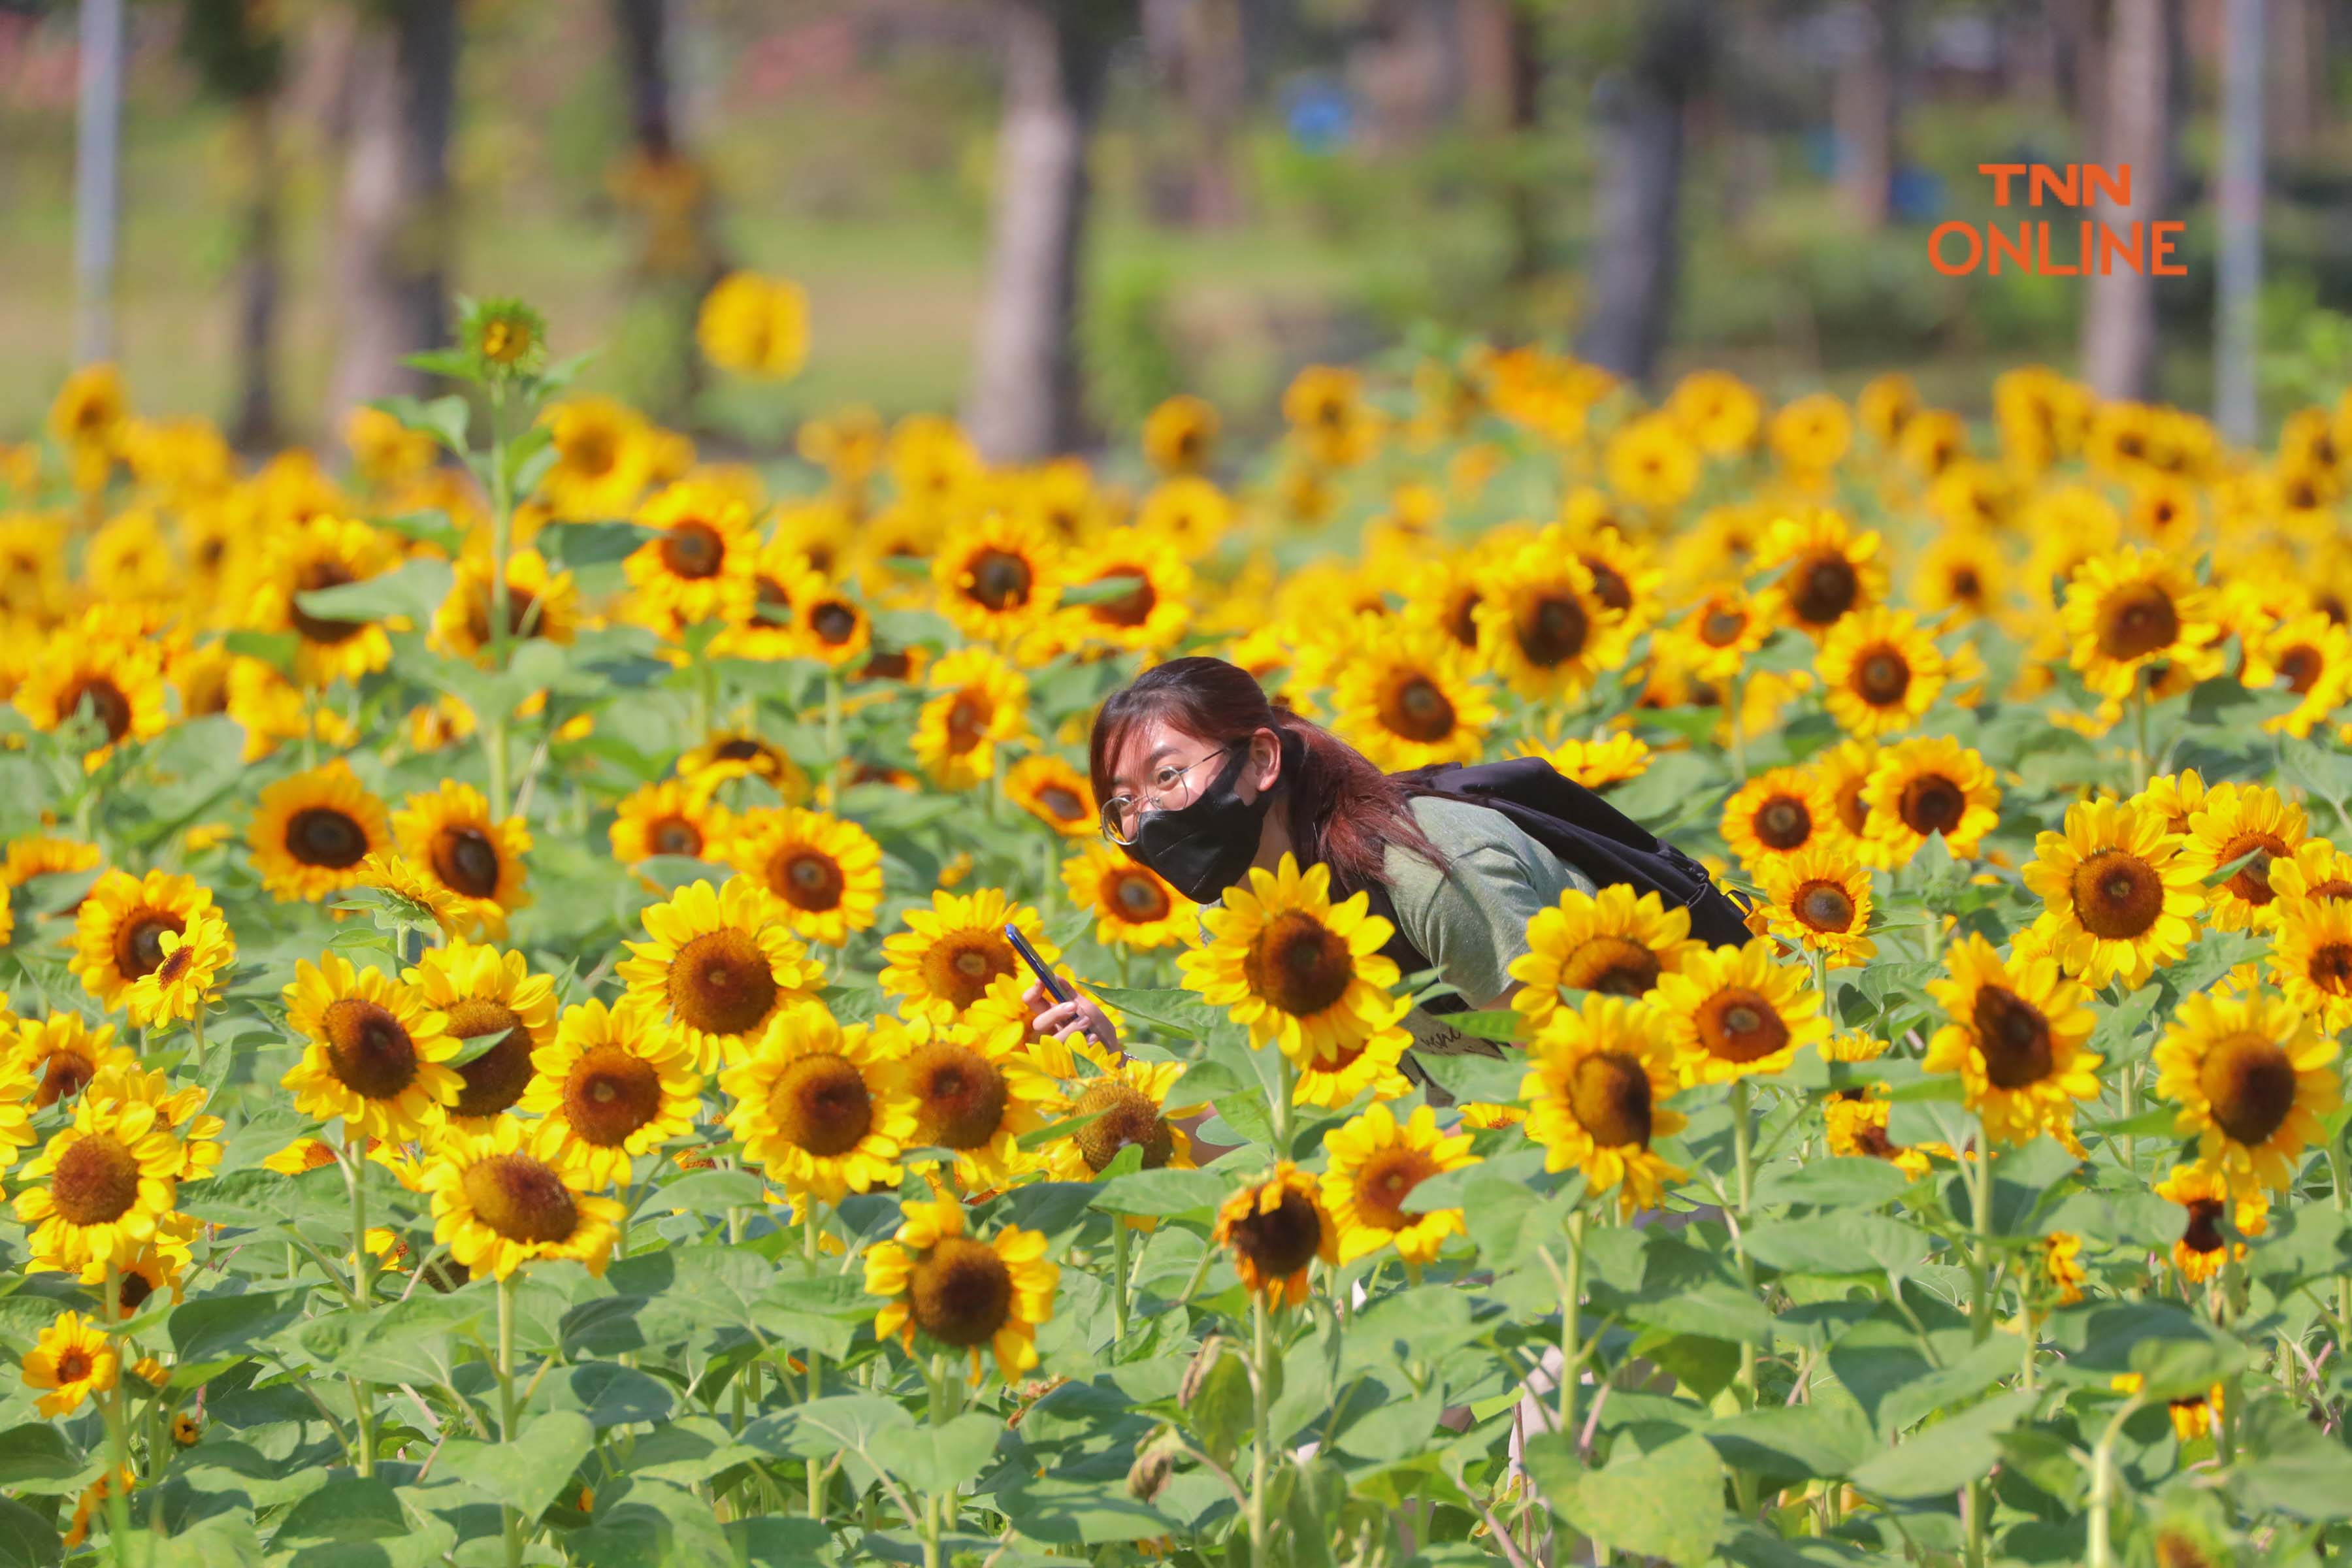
{"points": [[306, 556], [2310, 656], [835, 629], [697, 565], [1824, 570], [1122, 1101], [1857, 1129], [2237, 820], [1299, 969], [1180, 435], [719, 967], [179, 1109], [2316, 870], [110, 1180], [1776, 813], [449, 838], [378, 1056], [2018, 1040], [1152, 607], [961, 1293], [313, 830], [754, 326], [667, 818], [61, 1054], [72, 1359], [1275, 1229], [823, 874], [948, 954], [501, 1199], [119, 685], [1879, 672], [1375, 1164], [2204, 1194], [1730, 1013], [1598, 766], [964, 1101], [996, 576], [2132, 608], [1612, 941], [483, 991], [389, 873], [619, 1084], [180, 985], [1598, 1079], [1131, 905], [1923, 787], [2253, 1076], [816, 1106], [16, 1089], [1714, 641], [2174, 797], [2119, 902], [1407, 700], [1963, 571], [1055, 794], [979, 702], [120, 928], [771, 628], [1842, 771], [2061, 1265], [539, 603], [1542, 625], [1821, 899]]}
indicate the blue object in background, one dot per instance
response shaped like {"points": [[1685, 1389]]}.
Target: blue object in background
{"points": [[1317, 114], [1916, 195]]}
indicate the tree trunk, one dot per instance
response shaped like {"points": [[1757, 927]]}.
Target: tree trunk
{"points": [[1502, 73], [394, 248], [1027, 398], [2298, 74], [1639, 205], [1215, 68], [97, 178], [2240, 282], [2119, 317], [643, 30], [1863, 108], [253, 427]]}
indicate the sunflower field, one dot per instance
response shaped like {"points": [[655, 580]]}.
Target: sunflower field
{"points": [[512, 1054]]}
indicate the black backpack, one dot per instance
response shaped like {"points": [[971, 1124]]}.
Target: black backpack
{"points": [[1583, 830]]}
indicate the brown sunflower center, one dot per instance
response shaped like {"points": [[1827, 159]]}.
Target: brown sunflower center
{"points": [[2136, 620], [961, 1095], [523, 614], [369, 1049], [821, 1104], [1298, 963], [1384, 1180], [96, 1180], [139, 940], [1415, 708], [1721, 626], [105, 701], [1131, 609], [1739, 1025], [2330, 968], [496, 1078], [1281, 1243], [319, 628], [133, 1290], [175, 964], [520, 1198], [2203, 1233], [806, 879], [1122, 1114], [1138, 897], [1000, 580], [1823, 587], [463, 857], [693, 549], [1882, 678], [834, 622], [2300, 667], [743, 749], [1552, 630], [609, 1094], [1931, 804], [720, 983], [1784, 822], [2251, 1084], [1462, 618], [675, 835], [2334, 888], [2015, 1038], [959, 968], [1062, 805], [2118, 895], [73, 1365], [1614, 966], [967, 720], [961, 1293], [1965, 585], [326, 836], [1823, 906], [2252, 881], [1609, 1095], [63, 1075]]}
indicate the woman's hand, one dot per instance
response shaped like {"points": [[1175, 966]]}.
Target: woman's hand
{"points": [[1060, 1019]]}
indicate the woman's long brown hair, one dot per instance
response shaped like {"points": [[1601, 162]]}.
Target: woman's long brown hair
{"points": [[1342, 810]]}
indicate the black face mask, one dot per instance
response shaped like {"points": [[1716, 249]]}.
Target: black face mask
{"points": [[1203, 848]]}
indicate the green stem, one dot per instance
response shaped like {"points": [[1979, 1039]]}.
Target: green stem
{"points": [[494, 725], [196, 1035], [1743, 1156], [2131, 1108], [363, 1283], [118, 1432], [810, 1231], [2140, 755], [1262, 1426], [1278, 1103], [1732, 716], [835, 761], [1118, 1271], [2343, 1277], [512, 1519], [2100, 1552], [1980, 1246], [496, 757], [1571, 1326]]}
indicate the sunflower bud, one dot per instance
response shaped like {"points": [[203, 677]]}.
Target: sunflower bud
{"points": [[1203, 1361], [1154, 1463]]}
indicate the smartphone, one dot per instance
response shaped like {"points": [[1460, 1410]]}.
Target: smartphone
{"points": [[1054, 987]]}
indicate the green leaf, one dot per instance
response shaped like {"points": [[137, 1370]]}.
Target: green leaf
{"points": [[651, 1524], [27, 1540], [771, 1542], [443, 418], [36, 1457], [527, 1474], [1174, 1013], [2291, 1466], [1844, 1242], [1221, 1409], [611, 1394], [1502, 1024], [938, 1459], [689, 1450], [347, 1508], [413, 591], [1949, 1455], [824, 1427], [1666, 1503], [1793, 1443], [1162, 1193], [213, 1326], [712, 1193], [1493, 1081], [1842, 1183]]}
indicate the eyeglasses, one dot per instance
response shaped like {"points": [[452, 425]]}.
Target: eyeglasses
{"points": [[1120, 817]]}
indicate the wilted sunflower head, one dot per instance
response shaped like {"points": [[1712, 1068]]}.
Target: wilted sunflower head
{"points": [[1122, 1115]]}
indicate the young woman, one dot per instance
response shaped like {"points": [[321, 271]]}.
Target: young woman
{"points": [[1201, 778]]}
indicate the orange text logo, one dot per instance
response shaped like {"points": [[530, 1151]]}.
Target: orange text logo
{"points": [[2067, 247]]}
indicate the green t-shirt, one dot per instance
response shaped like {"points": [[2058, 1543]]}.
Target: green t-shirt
{"points": [[1471, 918]]}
